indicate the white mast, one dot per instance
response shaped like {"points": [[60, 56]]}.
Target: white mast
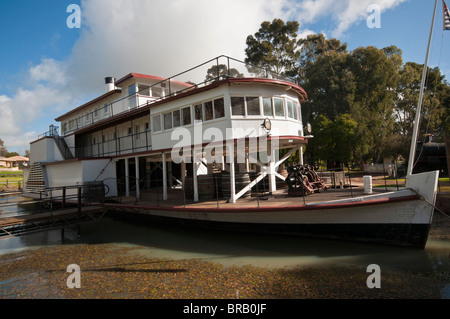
{"points": [[412, 152]]}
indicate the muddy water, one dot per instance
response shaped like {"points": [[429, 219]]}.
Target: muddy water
{"points": [[237, 249]]}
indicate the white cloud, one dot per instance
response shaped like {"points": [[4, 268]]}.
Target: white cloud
{"points": [[342, 13], [50, 71], [168, 38], [18, 113]]}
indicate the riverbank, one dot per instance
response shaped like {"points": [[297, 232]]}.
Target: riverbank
{"points": [[111, 271], [114, 271]]}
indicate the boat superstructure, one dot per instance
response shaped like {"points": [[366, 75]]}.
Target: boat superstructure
{"points": [[220, 137]]}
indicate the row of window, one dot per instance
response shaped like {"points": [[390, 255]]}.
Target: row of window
{"points": [[240, 106], [205, 111], [213, 109], [271, 106], [87, 118]]}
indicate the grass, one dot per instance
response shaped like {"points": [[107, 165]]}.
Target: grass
{"points": [[12, 178], [443, 186]]}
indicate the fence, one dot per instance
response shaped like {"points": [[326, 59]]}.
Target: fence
{"points": [[214, 190]]}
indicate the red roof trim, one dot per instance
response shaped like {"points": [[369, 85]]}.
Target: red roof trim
{"points": [[151, 77]]}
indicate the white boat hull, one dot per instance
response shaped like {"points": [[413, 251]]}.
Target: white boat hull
{"points": [[400, 218]]}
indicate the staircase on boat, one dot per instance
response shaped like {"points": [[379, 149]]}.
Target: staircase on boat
{"points": [[35, 182]]}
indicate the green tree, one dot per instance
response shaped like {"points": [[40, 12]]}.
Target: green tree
{"points": [[3, 149], [313, 47], [11, 154], [335, 140], [376, 74], [436, 101], [273, 47]]}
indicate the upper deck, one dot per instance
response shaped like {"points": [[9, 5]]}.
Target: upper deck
{"points": [[144, 113]]}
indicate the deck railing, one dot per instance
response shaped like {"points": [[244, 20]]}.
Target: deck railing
{"points": [[133, 143], [216, 69]]}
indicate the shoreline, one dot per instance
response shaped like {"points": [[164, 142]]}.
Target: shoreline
{"points": [[110, 271]]}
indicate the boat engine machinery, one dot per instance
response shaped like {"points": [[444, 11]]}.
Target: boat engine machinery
{"points": [[303, 180]]}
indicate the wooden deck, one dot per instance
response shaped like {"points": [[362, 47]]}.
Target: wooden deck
{"points": [[281, 198]]}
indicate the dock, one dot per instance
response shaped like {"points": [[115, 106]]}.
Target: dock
{"points": [[56, 217]]}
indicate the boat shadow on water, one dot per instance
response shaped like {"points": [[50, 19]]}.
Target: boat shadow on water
{"points": [[237, 248]]}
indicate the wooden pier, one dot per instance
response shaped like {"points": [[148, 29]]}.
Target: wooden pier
{"points": [[21, 224], [53, 212]]}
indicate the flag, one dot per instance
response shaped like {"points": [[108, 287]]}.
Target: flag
{"points": [[446, 17]]}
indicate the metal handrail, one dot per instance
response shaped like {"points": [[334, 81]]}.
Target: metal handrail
{"points": [[268, 73]]}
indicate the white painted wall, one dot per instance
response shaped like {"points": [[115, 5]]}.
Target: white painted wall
{"points": [[44, 150], [100, 170], [73, 173]]}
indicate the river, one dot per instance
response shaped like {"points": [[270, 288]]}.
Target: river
{"points": [[238, 249]]}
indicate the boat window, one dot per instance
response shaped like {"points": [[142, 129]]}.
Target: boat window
{"points": [[132, 89], [144, 89], [176, 118], [267, 106], [219, 109], [156, 123], [209, 115], [253, 105], [157, 91], [237, 106], [137, 132], [168, 121], [198, 113], [290, 109], [186, 115], [296, 111], [279, 109]]}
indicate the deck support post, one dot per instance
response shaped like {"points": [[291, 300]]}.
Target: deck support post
{"points": [[127, 178], [195, 166], [164, 165], [232, 183], [272, 167], [136, 169], [183, 173], [300, 154]]}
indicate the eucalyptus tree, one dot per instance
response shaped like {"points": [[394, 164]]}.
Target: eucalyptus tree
{"points": [[273, 48]]}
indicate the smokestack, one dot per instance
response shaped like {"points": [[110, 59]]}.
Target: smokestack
{"points": [[110, 83]]}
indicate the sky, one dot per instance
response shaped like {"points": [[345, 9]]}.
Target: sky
{"points": [[49, 67]]}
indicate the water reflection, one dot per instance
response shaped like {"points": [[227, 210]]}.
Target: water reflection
{"points": [[236, 249], [230, 248], [14, 205]]}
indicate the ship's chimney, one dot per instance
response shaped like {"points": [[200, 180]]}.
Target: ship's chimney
{"points": [[110, 83]]}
